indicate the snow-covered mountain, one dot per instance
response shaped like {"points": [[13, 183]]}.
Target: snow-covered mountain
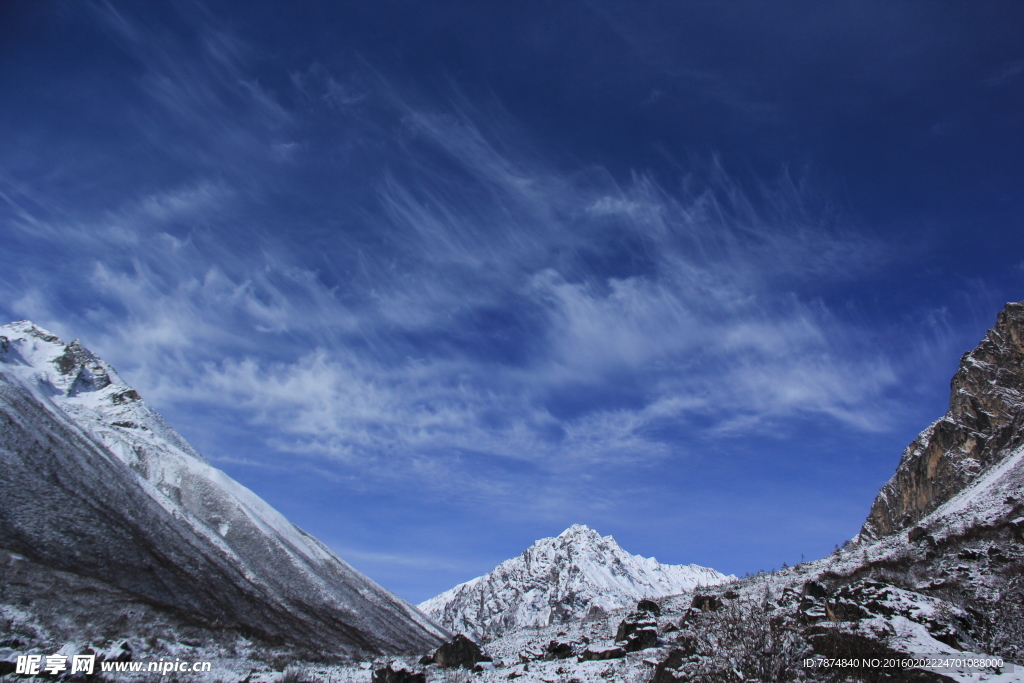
{"points": [[556, 579], [112, 525]]}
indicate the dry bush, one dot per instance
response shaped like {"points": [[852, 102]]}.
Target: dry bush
{"points": [[750, 639]]}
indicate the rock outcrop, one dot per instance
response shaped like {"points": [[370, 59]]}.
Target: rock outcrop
{"points": [[983, 425]]}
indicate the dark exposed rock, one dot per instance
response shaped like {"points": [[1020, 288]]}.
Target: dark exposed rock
{"points": [[649, 606], [814, 589], [124, 396], [983, 424], [557, 650], [389, 675], [921, 535], [706, 603], [459, 652], [7, 668], [1018, 526], [633, 622], [599, 655], [642, 639], [426, 660], [666, 671], [687, 643]]}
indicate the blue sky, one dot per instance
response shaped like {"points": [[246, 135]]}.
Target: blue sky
{"points": [[439, 279]]}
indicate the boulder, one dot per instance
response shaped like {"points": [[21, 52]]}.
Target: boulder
{"points": [[706, 603], [601, 654], [557, 650], [641, 640], [633, 622], [666, 671], [460, 652], [649, 606]]}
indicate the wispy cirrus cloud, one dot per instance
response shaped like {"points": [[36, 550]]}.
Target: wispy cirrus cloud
{"points": [[469, 305]]}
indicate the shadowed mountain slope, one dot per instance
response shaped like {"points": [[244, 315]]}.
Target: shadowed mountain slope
{"points": [[100, 493]]}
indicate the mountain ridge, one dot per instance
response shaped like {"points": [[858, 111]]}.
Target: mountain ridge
{"points": [[568, 576], [98, 485]]}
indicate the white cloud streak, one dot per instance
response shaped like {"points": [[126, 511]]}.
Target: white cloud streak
{"points": [[492, 313]]}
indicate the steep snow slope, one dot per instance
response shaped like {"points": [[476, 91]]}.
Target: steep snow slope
{"points": [[561, 578], [97, 484]]}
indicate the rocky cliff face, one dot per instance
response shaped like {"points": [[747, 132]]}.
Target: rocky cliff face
{"points": [[558, 579], [113, 526], [983, 426]]}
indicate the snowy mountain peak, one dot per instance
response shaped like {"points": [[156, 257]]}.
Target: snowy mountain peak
{"points": [[567, 576], [578, 530]]}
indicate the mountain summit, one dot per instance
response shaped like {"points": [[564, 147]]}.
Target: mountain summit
{"points": [[113, 526], [556, 579]]}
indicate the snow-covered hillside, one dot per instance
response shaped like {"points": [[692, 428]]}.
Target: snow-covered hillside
{"points": [[99, 489], [556, 579]]}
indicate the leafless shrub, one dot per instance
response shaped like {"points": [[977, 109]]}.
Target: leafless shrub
{"points": [[294, 674], [453, 676], [750, 639]]}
